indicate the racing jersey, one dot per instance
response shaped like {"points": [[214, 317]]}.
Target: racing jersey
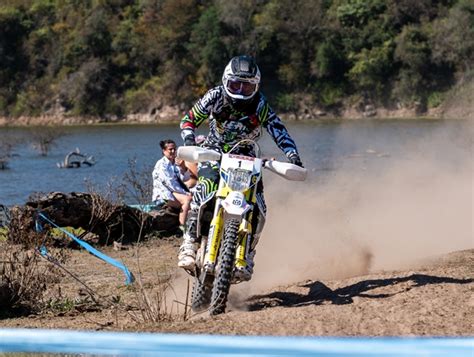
{"points": [[227, 126]]}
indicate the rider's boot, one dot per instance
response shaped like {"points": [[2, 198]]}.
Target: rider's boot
{"points": [[244, 273], [189, 247], [187, 253]]}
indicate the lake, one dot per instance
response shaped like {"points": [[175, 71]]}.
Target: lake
{"points": [[326, 148]]}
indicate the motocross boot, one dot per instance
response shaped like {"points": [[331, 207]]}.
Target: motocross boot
{"points": [[189, 247], [245, 273]]}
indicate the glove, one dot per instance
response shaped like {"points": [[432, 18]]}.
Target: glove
{"points": [[189, 140], [295, 159]]}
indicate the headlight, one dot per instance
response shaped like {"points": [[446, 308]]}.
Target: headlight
{"points": [[239, 180]]}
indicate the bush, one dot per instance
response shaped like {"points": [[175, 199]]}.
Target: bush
{"points": [[287, 103], [330, 95], [139, 100], [434, 99], [24, 277]]}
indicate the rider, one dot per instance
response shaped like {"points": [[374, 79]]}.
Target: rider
{"points": [[236, 110]]}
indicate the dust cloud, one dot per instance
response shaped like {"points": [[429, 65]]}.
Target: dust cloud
{"points": [[363, 218]]}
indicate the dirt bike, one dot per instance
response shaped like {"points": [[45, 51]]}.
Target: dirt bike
{"points": [[225, 219]]}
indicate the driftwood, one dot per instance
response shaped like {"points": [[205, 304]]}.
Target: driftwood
{"points": [[92, 213], [75, 159]]}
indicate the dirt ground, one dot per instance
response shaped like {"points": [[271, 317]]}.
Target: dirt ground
{"points": [[433, 298]]}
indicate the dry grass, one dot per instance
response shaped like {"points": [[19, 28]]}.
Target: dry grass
{"points": [[153, 301], [24, 277]]}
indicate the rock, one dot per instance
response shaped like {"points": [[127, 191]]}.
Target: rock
{"points": [[92, 213], [369, 111]]}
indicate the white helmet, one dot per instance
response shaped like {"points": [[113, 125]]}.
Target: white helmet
{"points": [[241, 78]]}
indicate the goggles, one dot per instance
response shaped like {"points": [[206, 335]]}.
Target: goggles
{"points": [[236, 86]]}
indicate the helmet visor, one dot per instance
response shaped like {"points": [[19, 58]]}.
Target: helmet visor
{"points": [[236, 86]]}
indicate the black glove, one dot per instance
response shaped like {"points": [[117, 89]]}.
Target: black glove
{"points": [[295, 159], [189, 140]]}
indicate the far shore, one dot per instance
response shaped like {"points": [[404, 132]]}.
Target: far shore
{"points": [[147, 119]]}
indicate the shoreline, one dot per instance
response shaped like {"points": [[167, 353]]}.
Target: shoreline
{"points": [[146, 120], [170, 115]]}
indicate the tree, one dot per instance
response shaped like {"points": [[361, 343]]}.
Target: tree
{"points": [[209, 51], [413, 53], [14, 28], [85, 91], [370, 67], [297, 28], [7, 145], [452, 38], [42, 139]]}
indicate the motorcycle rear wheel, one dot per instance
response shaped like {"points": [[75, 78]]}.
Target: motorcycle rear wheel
{"points": [[222, 281]]}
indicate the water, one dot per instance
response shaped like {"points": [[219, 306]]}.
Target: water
{"points": [[324, 147]]}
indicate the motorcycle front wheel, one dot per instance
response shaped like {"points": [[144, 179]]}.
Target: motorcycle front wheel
{"points": [[201, 296], [221, 287]]}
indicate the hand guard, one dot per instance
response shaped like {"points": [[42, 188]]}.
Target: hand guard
{"points": [[189, 141], [295, 159]]}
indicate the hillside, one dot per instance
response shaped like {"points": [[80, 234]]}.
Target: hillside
{"points": [[111, 59]]}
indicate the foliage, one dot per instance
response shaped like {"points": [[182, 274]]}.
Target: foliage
{"points": [[287, 102], [370, 66], [113, 57], [3, 234], [58, 232], [452, 37], [434, 99]]}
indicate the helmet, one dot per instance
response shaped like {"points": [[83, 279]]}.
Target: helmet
{"points": [[241, 78]]}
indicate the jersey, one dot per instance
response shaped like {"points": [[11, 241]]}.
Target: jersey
{"points": [[227, 126]]}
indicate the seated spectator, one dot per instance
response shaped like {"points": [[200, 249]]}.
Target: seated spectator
{"points": [[188, 172], [168, 187]]}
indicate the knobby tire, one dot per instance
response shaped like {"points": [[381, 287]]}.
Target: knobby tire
{"points": [[222, 281], [201, 296]]}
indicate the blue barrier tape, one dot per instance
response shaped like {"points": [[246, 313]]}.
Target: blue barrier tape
{"points": [[147, 208], [38, 226], [148, 344], [128, 275]]}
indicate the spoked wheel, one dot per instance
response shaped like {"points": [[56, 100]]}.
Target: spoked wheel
{"points": [[220, 290]]}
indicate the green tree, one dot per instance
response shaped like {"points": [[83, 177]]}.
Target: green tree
{"points": [[207, 52], [370, 66], [452, 38], [237, 18], [413, 53], [86, 90], [297, 29], [14, 27]]}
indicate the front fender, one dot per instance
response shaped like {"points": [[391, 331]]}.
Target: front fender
{"points": [[235, 204]]}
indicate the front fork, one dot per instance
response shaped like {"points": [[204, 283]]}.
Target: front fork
{"points": [[233, 206]]}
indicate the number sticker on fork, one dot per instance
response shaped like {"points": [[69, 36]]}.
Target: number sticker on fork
{"points": [[237, 202]]}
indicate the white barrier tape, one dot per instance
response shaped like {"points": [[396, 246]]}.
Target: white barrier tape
{"points": [[148, 344]]}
